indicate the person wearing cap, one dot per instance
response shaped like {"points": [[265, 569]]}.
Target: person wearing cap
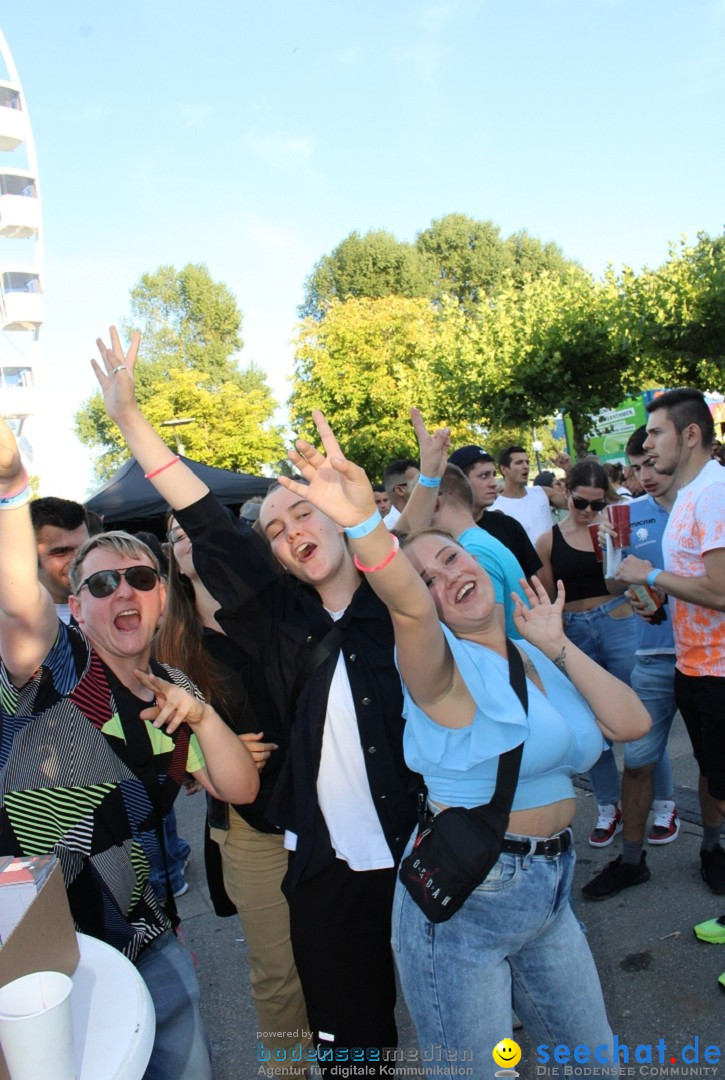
{"points": [[480, 470]]}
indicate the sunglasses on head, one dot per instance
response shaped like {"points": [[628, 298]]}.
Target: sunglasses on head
{"points": [[105, 582], [584, 504]]}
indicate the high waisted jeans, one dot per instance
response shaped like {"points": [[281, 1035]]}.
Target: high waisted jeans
{"points": [[516, 936]]}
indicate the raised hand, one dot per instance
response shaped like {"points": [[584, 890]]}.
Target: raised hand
{"points": [[336, 486], [11, 467], [433, 446], [116, 374], [541, 623]]}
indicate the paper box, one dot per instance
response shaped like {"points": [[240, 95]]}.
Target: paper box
{"points": [[43, 940]]}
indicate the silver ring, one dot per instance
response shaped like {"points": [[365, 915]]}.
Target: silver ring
{"points": [[121, 367]]}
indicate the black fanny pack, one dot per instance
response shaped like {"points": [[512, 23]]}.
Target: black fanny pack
{"points": [[456, 849]]}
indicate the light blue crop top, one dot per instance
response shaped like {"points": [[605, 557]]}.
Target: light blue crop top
{"points": [[459, 765]]}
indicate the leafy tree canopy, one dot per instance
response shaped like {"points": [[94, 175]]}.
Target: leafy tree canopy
{"points": [[366, 363], [187, 369], [372, 265]]}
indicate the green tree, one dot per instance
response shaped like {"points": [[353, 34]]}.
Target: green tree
{"points": [[567, 351], [368, 361], [471, 257], [188, 320], [675, 315], [190, 332], [373, 265], [475, 262]]}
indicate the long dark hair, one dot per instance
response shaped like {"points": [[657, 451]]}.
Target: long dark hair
{"points": [[180, 638], [589, 472]]}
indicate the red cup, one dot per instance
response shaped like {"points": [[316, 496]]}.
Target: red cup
{"points": [[594, 533], [619, 517]]}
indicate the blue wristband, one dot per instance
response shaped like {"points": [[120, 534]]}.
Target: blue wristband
{"points": [[429, 481], [356, 532], [652, 576]]}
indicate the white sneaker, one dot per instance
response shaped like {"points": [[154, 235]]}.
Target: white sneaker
{"points": [[666, 825], [608, 824]]}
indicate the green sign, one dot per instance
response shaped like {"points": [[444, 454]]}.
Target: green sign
{"points": [[612, 428]]}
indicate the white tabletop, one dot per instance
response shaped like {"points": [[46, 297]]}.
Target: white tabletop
{"points": [[113, 1015]]}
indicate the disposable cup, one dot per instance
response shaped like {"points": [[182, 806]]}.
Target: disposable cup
{"points": [[594, 533], [36, 1027], [619, 517]]}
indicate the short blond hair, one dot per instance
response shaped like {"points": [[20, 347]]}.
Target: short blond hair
{"points": [[122, 543]]}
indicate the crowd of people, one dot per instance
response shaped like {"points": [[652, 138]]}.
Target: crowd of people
{"points": [[336, 671]]}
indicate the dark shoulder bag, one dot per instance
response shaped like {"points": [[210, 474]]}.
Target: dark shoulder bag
{"points": [[456, 849]]}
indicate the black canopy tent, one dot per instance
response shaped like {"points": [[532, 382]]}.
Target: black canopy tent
{"points": [[129, 501]]}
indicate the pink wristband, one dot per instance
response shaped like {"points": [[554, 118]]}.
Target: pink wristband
{"points": [[155, 472], [388, 559]]}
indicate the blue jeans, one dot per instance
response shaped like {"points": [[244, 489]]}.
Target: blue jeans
{"points": [[181, 1048], [177, 852], [516, 936], [653, 677], [612, 643]]}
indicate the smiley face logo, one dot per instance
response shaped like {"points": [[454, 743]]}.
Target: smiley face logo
{"points": [[507, 1053]]}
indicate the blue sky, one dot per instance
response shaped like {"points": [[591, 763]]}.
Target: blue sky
{"points": [[254, 137]]}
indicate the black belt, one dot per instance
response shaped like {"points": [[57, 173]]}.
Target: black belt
{"points": [[550, 848]]}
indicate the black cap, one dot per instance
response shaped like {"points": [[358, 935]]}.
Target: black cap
{"points": [[468, 455]]}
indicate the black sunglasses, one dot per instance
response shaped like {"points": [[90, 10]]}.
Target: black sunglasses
{"points": [[583, 504], [105, 582]]}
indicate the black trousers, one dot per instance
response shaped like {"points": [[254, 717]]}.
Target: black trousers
{"points": [[340, 930]]}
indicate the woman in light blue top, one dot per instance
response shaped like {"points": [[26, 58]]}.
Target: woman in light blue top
{"points": [[515, 937]]}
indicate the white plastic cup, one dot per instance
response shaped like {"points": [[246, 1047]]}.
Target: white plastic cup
{"points": [[36, 1027]]}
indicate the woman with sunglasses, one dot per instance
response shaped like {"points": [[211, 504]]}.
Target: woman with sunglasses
{"points": [[601, 625], [253, 858], [515, 934]]}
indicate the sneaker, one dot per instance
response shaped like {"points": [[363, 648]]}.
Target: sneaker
{"points": [[712, 868], [615, 876], [608, 824], [712, 931], [182, 890], [666, 825]]}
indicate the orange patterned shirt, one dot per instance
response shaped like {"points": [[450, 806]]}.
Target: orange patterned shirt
{"points": [[696, 526]]}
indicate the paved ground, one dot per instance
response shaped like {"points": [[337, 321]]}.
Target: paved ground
{"points": [[659, 981]]}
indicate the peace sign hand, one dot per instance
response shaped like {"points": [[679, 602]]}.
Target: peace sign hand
{"points": [[116, 376], [336, 486]]}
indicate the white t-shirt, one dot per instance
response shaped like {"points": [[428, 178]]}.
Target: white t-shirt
{"points": [[343, 791], [532, 511], [391, 517]]}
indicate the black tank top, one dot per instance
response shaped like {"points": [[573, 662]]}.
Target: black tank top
{"points": [[579, 570]]}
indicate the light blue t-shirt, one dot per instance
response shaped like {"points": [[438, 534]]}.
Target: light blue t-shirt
{"points": [[648, 521], [502, 567], [459, 765]]}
